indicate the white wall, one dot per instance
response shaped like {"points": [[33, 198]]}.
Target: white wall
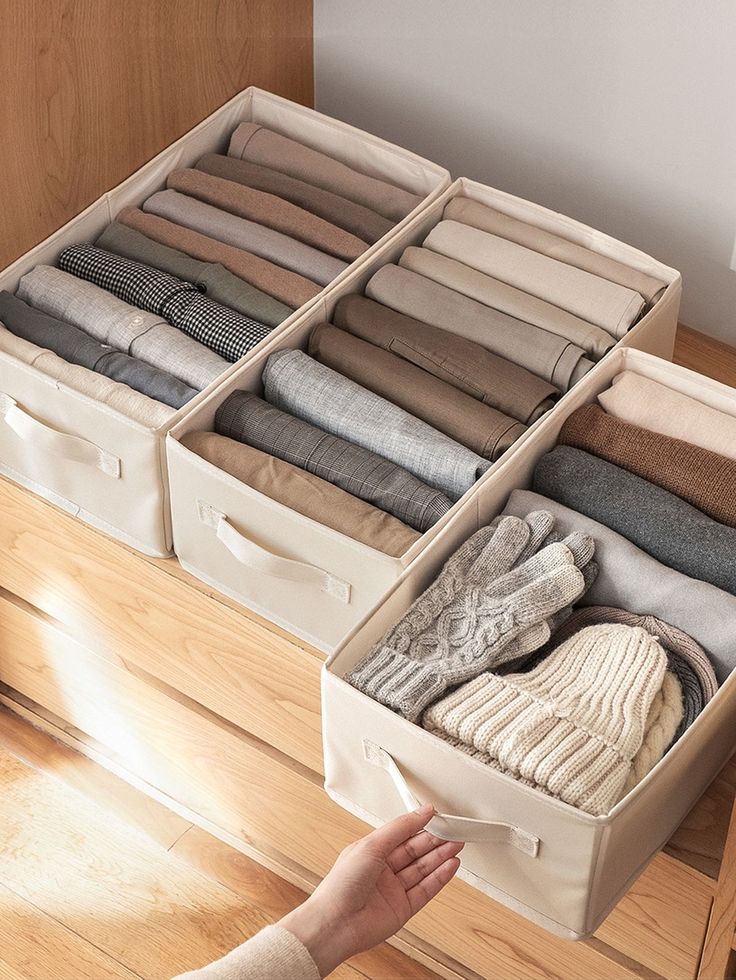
{"points": [[621, 113]]}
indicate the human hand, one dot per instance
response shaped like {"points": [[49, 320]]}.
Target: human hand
{"points": [[376, 885]]}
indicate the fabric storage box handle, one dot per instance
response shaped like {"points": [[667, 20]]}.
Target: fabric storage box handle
{"points": [[72, 448], [448, 825], [248, 553]]}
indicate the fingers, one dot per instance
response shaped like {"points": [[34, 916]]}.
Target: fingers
{"points": [[541, 523], [384, 840], [425, 890], [414, 848], [498, 556], [424, 866]]}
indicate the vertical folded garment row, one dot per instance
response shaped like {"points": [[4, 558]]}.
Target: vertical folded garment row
{"points": [[171, 293], [420, 384], [571, 642]]}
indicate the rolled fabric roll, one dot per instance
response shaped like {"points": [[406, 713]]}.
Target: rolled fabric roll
{"points": [[499, 295], [641, 401], [282, 284], [365, 224], [467, 420], [631, 579], [140, 408], [240, 233], [146, 336], [704, 479], [304, 493], [666, 527], [606, 304], [254, 142], [77, 347], [543, 353], [248, 418], [227, 333], [461, 363], [486, 218], [211, 278], [296, 383], [268, 210]]}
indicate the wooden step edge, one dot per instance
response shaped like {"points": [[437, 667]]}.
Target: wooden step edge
{"points": [[269, 858]]}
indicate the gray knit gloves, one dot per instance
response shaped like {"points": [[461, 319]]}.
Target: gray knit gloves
{"points": [[496, 600]]}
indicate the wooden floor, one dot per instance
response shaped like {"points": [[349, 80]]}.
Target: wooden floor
{"points": [[99, 881]]}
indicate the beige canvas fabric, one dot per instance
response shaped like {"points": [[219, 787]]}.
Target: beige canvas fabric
{"points": [[606, 304], [481, 216], [654, 406]]}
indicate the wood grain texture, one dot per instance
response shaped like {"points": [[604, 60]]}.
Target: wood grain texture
{"points": [[720, 938], [706, 355], [92, 89]]}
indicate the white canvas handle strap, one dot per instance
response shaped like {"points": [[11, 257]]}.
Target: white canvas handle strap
{"points": [[49, 440], [447, 825], [248, 553]]}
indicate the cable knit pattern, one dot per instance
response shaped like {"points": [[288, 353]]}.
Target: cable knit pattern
{"points": [[481, 611], [574, 723]]}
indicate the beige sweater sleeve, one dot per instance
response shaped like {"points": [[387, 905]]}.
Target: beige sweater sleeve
{"points": [[272, 954]]}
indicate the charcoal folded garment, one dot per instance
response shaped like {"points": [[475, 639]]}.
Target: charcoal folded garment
{"points": [[77, 347], [248, 418], [227, 333]]}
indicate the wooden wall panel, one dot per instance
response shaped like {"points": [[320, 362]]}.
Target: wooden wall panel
{"points": [[92, 89]]}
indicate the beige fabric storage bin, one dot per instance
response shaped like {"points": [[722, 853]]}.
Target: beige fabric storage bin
{"points": [[246, 545], [558, 866], [91, 460]]}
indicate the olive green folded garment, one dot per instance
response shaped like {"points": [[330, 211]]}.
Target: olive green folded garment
{"points": [[606, 304], [449, 410], [212, 278], [361, 222], [268, 210], [287, 287], [304, 493], [136, 406], [485, 218], [254, 142], [507, 299], [461, 363], [543, 353]]}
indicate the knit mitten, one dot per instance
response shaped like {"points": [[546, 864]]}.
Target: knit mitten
{"points": [[574, 723], [456, 631]]}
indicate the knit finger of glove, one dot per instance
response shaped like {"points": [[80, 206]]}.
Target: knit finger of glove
{"points": [[471, 633]]}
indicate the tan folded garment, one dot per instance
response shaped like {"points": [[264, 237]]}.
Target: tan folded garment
{"points": [[285, 286], [304, 493], [459, 362], [123, 399], [705, 479], [254, 142], [268, 210], [485, 218], [656, 407], [500, 296], [606, 304], [467, 420]]}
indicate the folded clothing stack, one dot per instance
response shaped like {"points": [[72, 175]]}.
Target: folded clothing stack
{"points": [[170, 294], [582, 703]]}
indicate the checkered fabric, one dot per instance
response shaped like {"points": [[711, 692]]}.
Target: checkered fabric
{"points": [[229, 334], [248, 418]]}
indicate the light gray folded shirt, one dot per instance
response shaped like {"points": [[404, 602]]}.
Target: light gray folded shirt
{"points": [[296, 383], [543, 353], [246, 235], [629, 578], [606, 304], [508, 299], [102, 315]]}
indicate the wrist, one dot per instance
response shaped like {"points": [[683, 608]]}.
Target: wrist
{"points": [[322, 938]]}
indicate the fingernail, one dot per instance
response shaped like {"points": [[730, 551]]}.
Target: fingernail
{"points": [[425, 808]]}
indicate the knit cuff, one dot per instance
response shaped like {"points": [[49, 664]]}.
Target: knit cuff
{"points": [[404, 685]]}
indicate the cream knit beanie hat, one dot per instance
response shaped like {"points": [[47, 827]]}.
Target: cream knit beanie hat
{"points": [[574, 724]]}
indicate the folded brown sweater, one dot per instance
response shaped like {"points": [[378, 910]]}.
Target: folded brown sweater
{"points": [[286, 286], [701, 477], [268, 210]]}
